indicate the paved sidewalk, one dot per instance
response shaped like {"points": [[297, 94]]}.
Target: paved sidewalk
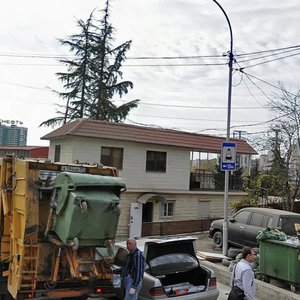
{"points": [[224, 290]]}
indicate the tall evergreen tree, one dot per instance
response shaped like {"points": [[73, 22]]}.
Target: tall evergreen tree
{"points": [[93, 76]]}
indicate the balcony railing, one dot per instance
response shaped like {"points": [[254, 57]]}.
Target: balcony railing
{"points": [[204, 181]]}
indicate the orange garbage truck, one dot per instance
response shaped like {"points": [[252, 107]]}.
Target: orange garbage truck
{"points": [[58, 228]]}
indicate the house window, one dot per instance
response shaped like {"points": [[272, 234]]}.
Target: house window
{"points": [[57, 153], [156, 161], [111, 156], [167, 209]]}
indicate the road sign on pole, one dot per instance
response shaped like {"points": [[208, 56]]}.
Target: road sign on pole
{"points": [[228, 162]]}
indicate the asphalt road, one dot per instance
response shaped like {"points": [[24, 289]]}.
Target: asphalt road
{"points": [[204, 243]]}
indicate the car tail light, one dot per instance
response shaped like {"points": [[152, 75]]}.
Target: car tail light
{"points": [[99, 291], [212, 283], [157, 291]]}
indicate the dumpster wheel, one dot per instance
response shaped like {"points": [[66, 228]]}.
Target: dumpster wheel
{"points": [[75, 243], [265, 278], [293, 288]]}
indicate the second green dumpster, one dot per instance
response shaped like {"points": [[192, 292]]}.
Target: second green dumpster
{"points": [[280, 260]]}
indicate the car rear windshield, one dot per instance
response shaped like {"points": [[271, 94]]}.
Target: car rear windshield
{"points": [[170, 263]]}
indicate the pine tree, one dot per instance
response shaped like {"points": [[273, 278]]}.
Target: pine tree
{"points": [[93, 76], [105, 70]]}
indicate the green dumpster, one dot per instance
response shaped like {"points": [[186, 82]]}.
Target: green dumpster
{"points": [[280, 260], [86, 208]]}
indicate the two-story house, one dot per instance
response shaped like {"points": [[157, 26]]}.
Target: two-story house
{"points": [[163, 194]]}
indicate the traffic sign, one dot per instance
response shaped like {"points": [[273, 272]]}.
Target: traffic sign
{"points": [[228, 162]]}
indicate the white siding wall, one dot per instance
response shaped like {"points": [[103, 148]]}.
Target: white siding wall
{"points": [[66, 150], [177, 172], [134, 162]]}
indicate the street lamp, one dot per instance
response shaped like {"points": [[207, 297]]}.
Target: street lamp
{"points": [[226, 184]]}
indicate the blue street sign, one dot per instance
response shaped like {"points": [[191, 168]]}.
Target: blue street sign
{"points": [[228, 156]]}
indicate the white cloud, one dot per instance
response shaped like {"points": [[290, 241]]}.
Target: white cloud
{"points": [[156, 28]]}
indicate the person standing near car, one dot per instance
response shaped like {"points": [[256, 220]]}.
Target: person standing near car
{"points": [[242, 281], [133, 271]]}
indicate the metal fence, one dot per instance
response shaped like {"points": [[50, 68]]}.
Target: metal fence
{"points": [[204, 181]]}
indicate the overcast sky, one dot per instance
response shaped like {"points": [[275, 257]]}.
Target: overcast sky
{"points": [[191, 96]]}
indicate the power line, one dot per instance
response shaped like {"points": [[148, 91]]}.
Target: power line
{"points": [[245, 83], [27, 86], [198, 107], [268, 83], [30, 64], [269, 55], [258, 87], [175, 57], [125, 65], [165, 65], [261, 123], [42, 56], [177, 65], [282, 51], [271, 60], [182, 118], [51, 56], [265, 51], [212, 129]]}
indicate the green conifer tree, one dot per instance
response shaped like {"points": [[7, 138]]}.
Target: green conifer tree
{"points": [[94, 76]]}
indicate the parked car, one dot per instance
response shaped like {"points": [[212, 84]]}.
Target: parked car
{"points": [[245, 225], [172, 270]]}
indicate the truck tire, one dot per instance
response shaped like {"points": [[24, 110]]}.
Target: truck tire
{"points": [[4, 293], [218, 239]]}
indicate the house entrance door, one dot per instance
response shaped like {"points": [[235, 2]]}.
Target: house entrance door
{"points": [[135, 227]]}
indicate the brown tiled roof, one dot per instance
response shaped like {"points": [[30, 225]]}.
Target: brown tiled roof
{"points": [[22, 147], [149, 135]]}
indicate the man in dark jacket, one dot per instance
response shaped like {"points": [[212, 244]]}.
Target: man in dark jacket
{"points": [[133, 271]]}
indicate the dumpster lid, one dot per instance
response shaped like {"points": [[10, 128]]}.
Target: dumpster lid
{"points": [[71, 181], [79, 179]]}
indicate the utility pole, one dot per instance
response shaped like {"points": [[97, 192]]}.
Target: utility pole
{"points": [[226, 183], [239, 133]]}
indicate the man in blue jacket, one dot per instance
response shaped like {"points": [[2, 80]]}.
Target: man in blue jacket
{"points": [[133, 271]]}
